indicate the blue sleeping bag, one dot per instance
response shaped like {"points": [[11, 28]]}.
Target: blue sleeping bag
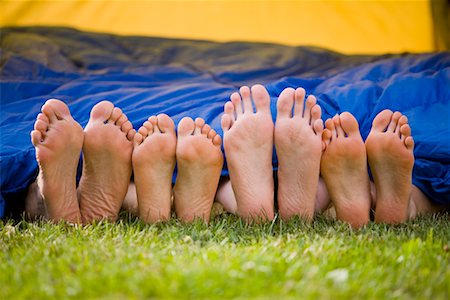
{"points": [[146, 76]]}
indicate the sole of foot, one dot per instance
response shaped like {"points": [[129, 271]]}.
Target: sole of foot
{"points": [[298, 142], [153, 165], [107, 151], [344, 169], [58, 139], [391, 159], [199, 163], [248, 144]]}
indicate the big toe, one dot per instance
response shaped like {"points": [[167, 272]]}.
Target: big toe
{"points": [[285, 103], [349, 124], [102, 111], [186, 126], [165, 123], [261, 98], [382, 120], [55, 109]]}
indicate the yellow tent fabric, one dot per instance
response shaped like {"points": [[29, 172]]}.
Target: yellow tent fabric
{"points": [[346, 26]]}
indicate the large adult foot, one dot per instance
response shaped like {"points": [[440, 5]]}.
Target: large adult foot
{"points": [[153, 165], [248, 143], [344, 169], [107, 167], [298, 141], [58, 139], [199, 163], [391, 159]]}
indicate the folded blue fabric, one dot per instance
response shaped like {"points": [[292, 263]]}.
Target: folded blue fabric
{"points": [[146, 76]]}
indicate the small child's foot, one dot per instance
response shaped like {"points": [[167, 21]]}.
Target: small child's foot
{"points": [[107, 167], [153, 165], [391, 159], [58, 139], [199, 163], [344, 169]]}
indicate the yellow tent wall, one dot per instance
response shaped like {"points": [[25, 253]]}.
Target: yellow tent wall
{"points": [[345, 26]]}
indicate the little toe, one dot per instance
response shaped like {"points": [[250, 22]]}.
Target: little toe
{"points": [[299, 101], [310, 102], [261, 98], [102, 111], [131, 133], [246, 99], [409, 143], [285, 103], [326, 137], [337, 124], [217, 140], [349, 124], [165, 123], [211, 134], [329, 124], [225, 122], [36, 137], [237, 103], [382, 120], [186, 126], [394, 120], [138, 138]]}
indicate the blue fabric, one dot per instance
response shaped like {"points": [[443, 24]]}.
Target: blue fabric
{"points": [[147, 76]]}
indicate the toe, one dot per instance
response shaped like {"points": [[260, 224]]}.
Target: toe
{"points": [[349, 124], [405, 131], [165, 123], [143, 131], [409, 143], [225, 122], [310, 102], [299, 101], [41, 126], [102, 111], [337, 124], [316, 113], [116, 114], [127, 126], [131, 133], [211, 134], [121, 120], [148, 126], [138, 138], [402, 121], [381, 121], [285, 103], [318, 126], [217, 140], [329, 124], [261, 98], [394, 120], [199, 123], [36, 137], [237, 103], [154, 121], [55, 109], [42, 117], [246, 99], [205, 129], [186, 126], [326, 137]]}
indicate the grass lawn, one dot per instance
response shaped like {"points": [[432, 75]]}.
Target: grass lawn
{"points": [[226, 259]]}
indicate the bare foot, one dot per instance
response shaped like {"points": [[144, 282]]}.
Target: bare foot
{"points": [[298, 141], [199, 163], [58, 139], [391, 159], [153, 165], [248, 143], [225, 196], [344, 169], [107, 152]]}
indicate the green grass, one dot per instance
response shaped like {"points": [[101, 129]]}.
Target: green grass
{"points": [[226, 259]]}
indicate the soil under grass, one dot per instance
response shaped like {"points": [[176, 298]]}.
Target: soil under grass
{"points": [[226, 259]]}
